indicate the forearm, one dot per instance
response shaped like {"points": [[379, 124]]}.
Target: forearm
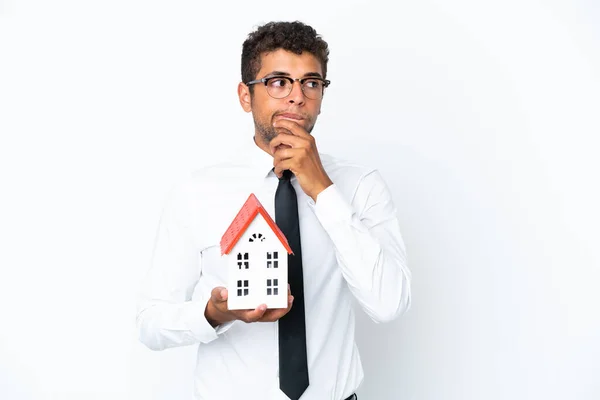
{"points": [[370, 253], [377, 277], [162, 325]]}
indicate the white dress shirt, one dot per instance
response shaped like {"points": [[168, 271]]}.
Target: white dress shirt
{"points": [[351, 246]]}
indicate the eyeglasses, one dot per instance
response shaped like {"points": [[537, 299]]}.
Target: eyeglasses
{"points": [[280, 87]]}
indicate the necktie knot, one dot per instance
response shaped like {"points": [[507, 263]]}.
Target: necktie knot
{"points": [[287, 175]]}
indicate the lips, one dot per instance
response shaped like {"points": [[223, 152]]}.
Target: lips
{"points": [[296, 117]]}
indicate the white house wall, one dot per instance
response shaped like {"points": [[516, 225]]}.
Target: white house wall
{"points": [[257, 274]]}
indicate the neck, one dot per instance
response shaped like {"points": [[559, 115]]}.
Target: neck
{"points": [[263, 146]]}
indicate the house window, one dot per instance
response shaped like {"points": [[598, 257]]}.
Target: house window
{"points": [[242, 288], [243, 260], [257, 237], [272, 288], [272, 260]]}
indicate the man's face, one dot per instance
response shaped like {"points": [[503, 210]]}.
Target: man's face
{"points": [[296, 106]]}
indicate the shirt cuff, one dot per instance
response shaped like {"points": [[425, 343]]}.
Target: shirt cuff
{"points": [[202, 330], [331, 208]]}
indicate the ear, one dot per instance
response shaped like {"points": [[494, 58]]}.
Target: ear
{"points": [[244, 95]]}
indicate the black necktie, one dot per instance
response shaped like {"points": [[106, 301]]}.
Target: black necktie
{"points": [[293, 368]]}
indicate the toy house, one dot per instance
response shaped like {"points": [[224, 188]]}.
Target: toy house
{"points": [[257, 259]]}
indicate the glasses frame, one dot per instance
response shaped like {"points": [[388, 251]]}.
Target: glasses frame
{"points": [[264, 80]]}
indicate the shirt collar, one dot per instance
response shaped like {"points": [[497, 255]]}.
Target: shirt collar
{"points": [[256, 158]]}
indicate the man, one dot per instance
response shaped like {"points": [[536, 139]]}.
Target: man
{"points": [[348, 245]]}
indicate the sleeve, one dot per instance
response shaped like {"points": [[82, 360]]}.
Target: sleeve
{"points": [[369, 247], [166, 314]]}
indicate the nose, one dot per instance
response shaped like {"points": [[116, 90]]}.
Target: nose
{"points": [[296, 96]]}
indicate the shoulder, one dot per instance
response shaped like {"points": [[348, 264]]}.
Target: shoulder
{"points": [[345, 171], [190, 185], [354, 179]]}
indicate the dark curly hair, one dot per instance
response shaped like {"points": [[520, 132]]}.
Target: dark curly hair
{"points": [[291, 36]]}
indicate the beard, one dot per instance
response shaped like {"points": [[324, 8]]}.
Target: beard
{"points": [[267, 132]]}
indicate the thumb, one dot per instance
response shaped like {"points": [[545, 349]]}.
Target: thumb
{"points": [[219, 294]]}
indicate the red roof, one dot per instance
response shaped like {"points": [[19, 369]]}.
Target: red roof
{"points": [[240, 223]]}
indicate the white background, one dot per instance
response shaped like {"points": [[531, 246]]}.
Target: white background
{"points": [[482, 116]]}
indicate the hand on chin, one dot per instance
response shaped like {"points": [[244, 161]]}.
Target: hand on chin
{"points": [[283, 146]]}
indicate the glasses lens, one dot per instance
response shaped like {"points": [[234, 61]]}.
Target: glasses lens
{"points": [[312, 88], [279, 87]]}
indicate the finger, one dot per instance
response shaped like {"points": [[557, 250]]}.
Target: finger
{"points": [[283, 165], [283, 131], [284, 139], [290, 298], [253, 315], [275, 314], [295, 128], [285, 154], [219, 295]]}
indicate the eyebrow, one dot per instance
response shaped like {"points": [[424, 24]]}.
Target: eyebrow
{"points": [[281, 73]]}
